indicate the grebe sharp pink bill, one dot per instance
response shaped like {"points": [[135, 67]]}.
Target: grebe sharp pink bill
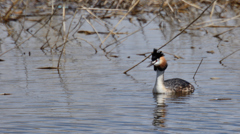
{"points": [[175, 85]]}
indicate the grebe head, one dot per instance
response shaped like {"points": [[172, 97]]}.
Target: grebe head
{"points": [[158, 61]]}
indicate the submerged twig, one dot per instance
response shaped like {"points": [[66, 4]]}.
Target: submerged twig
{"points": [[173, 37], [5, 93], [220, 99]]}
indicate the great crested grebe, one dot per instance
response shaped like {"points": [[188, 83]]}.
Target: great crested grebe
{"points": [[175, 85]]}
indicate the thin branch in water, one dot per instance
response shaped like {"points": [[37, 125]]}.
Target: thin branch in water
{"points": [[89, 44], [228, 56], [44, 44], [80, 25], [217, 35], [94, 29], [16, 45], [38, 21], [115, 46], [27, 38], [173, 37], [22, 27], [197, 69], [74, 28], [175, 56]]}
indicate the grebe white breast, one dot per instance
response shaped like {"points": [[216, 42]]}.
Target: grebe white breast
{"points": [[175, 85]]}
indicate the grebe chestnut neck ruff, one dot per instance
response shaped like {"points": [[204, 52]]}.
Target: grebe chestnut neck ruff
{"points": [[175, 85]]}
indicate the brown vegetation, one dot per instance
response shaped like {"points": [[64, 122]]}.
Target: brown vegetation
{"points": [[41, 12]]}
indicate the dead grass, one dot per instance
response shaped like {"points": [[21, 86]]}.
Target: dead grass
{"points": [[41, 14]]}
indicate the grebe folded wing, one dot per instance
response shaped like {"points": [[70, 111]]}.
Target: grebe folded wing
{"points": [[179, 85]]}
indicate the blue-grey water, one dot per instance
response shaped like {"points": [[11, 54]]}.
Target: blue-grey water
{"points": [[90, 93]]}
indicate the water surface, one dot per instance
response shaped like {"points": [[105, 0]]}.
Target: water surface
{"points": [[90, 93]]}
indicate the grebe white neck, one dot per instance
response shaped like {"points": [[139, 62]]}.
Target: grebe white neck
{"points": [[159, 84]]}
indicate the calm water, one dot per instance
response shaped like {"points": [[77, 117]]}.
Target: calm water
{"points": [[91, 94]]}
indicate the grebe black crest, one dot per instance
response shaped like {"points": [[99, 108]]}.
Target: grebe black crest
{"points": [[175, 85]]}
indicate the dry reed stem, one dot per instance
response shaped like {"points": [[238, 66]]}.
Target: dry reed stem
{"points": [[17, 45], [53, 1], [102, 9], [64, 21], [47, 42], [93, 29], [27, 38], [22, 27], [44, 24], [131, 33], [116, 46], [178, 57], [169, 6], [38, 21], [50, 25], [214, 26], [130, 9], [66, 39], [173, 37], [94, 16], [191, 4], [217, 21], [64, 44], [88, 43], [8, 13], [213, 7], [74, 28], [217, 35]]}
